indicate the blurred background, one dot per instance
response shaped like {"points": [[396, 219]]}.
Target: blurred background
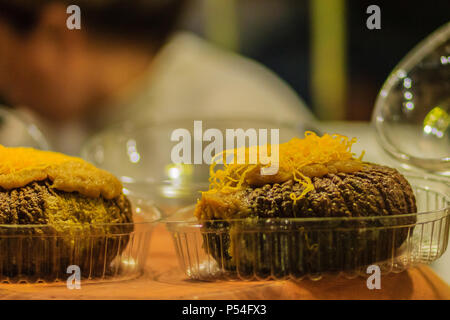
{"points": [[115, 90], [321, 48], [299, 38]]}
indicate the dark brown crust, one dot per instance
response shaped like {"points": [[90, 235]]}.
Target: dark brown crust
{"points": [[265, 248], [27, 205], [23, 206], [376, 190], [88, 232]]}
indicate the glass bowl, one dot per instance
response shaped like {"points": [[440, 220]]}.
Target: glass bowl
{"points": [[295, 248], [140, 156], [412, 110], [103, 252]]}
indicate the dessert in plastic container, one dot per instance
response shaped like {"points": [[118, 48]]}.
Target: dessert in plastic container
{"points": [[411, 118], [103, 252], [295, 248], [61, 216]]}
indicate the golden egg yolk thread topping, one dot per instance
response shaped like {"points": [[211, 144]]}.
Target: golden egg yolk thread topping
{"points": [[13, 160], [293, 156], [21, 166]]}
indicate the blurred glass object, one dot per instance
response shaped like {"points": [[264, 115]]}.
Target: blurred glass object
{"points": [[17, 132], [140, 156], [411, 113]]}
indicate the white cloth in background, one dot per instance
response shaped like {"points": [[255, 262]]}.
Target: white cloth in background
{"points": [[193, 79]]}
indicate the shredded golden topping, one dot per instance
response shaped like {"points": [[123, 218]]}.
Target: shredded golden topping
{"points": [[21, 166], [14, 160], [299, 159]]}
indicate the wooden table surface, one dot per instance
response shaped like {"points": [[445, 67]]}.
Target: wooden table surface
{"points": [[164, 280]]}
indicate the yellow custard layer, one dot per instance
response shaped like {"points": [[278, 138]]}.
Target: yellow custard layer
{"points": [[21, 166]]}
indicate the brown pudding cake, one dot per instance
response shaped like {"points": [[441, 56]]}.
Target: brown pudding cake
{"points": [[250, 223], [57, 211]]}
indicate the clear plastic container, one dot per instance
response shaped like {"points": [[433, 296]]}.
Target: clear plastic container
{"points": [[26, 134], [314, 247], [103, 252], [140, 156], [412, 110]]}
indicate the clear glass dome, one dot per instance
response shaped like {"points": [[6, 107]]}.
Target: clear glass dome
{"points": [[140, 156], [17, 132], [412, 111]]}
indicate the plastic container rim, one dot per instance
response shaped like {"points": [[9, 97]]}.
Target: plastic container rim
{"points": [[444, 211]]}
